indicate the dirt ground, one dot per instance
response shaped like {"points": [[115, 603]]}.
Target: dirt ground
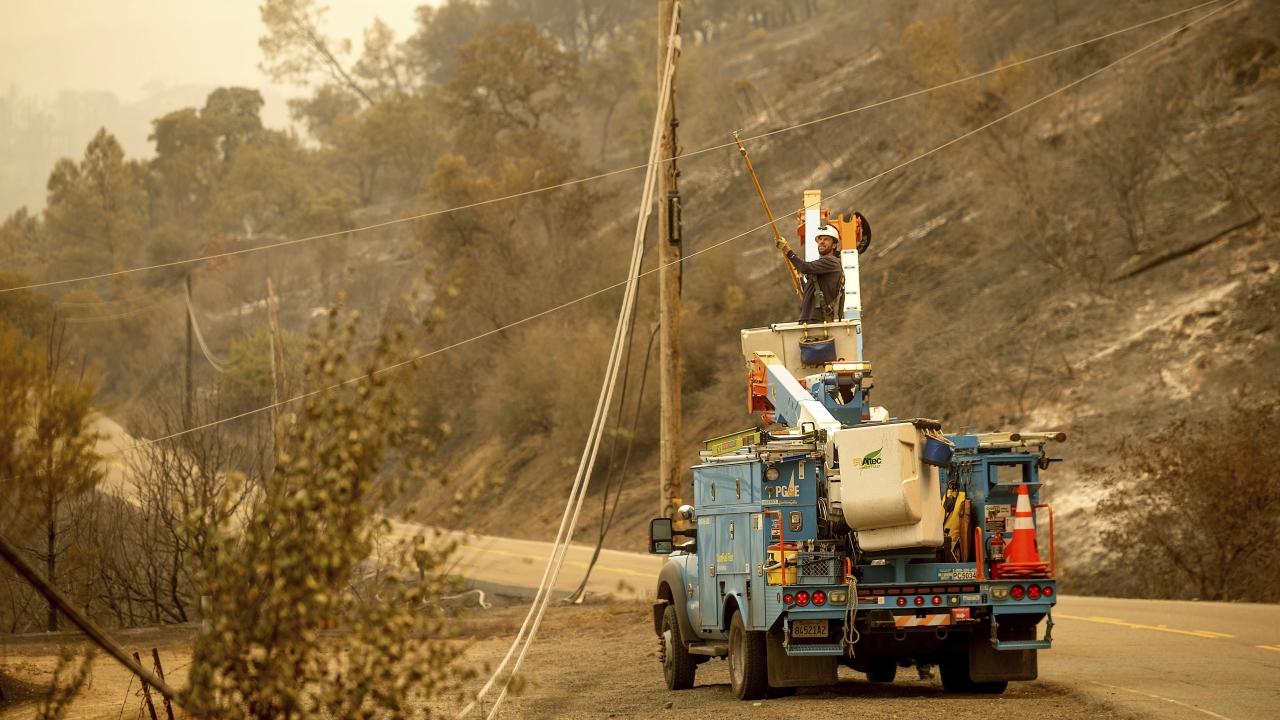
{"points": [[591, 661]]}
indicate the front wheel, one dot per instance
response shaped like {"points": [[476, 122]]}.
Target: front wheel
{"points": [[748, 661], [678, 666]]}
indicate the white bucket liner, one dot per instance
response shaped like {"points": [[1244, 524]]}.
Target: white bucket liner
{"points": [[889, 497]]}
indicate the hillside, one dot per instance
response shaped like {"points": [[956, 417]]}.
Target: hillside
{"points": [[1003, 289]]}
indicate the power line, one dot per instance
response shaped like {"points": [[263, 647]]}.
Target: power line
{"points": [[219, 365], [739, 236], [620, 171]]}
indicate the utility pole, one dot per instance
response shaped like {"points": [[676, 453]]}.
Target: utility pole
{"points": [[274, 339], [186, 408], [670, 472]]}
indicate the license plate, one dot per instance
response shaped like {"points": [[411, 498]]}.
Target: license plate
{"points": [[809, 628]]}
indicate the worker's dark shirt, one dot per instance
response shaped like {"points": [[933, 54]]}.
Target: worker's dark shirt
{"points": [[827, 271]]}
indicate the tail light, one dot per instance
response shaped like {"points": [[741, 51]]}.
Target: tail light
{"points": [[788, 598], [1033, 592], [919, 600], [1017, 592], [937, 600], [802, 598], [902, 602], [1048, 591], [819, 597]]}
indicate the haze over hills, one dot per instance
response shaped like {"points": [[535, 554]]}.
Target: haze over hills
{"points": [[1101, 262]]}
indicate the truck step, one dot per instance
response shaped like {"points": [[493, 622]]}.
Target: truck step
{"points": [[708, 649], [1022, 644], [807, 649]]}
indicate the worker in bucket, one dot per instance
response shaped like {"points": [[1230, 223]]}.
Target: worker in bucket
{"points": [[823, 283]]}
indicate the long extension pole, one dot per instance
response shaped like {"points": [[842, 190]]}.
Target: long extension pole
{"points": [[795, 274]]}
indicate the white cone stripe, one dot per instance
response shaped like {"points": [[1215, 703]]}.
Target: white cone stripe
{"points": [[1023, 523], [1024, 505]]}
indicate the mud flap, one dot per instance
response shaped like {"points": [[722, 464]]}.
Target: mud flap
{"points": [[804, 671], [987, 664]]}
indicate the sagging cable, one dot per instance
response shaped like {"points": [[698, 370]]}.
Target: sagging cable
{"points": [[569, 520]]}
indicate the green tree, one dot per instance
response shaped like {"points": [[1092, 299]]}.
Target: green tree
{"points": [[52, 448], [295, 48], [508, 78], [96, 212], [247, 385], [232, 115], [431, 51], [290, 574], [20, 239]]}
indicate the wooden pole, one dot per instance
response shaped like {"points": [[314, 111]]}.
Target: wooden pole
{"points": [[670, 472], [71, 612], [146, 691], [186, 408], [155, 655], [274, 336]]}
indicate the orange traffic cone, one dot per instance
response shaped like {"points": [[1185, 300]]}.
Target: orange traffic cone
{"points": [[1022, 559]]}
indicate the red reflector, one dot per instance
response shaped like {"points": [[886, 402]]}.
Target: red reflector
{"points": [[902, 602], [960, 613], [1033, 592], [802, 597], [936, 600], [788, 598], [819, 597], [969, 589], [919, 600], [891, 591], [1048, 591], [953, 589], [1016, 592]]}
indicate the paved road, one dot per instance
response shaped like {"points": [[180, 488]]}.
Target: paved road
{"points": [[1147, 658], [521, 563], [1169, 659]]}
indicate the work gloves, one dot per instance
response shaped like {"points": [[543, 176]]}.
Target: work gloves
{"points": [[782, 244]]}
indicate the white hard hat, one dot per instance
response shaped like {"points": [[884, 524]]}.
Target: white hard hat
{"points": [[827, 231]]}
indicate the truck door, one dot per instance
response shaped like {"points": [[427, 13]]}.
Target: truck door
{"points": [[707, 592], [733, 560], [755, 579]]}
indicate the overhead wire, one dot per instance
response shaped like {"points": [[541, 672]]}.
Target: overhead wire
{"points": [[620, 171], [220, 365], [586, 465], [683, 258], [117, 316]]}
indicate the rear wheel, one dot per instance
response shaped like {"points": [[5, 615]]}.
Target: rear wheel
{"points": [[748, 661], [678, 666], [882, 670], [955, 678]]}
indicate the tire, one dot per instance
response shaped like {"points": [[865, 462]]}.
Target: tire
{"points": [[882, 670], [678, 666], [955, 678], [748, 661], [955, 675]]}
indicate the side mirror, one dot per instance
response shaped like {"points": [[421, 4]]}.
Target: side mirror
{"points": [[661, 536]]}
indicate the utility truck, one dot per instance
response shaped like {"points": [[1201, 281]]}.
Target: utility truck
{"points": [[838, 534]]}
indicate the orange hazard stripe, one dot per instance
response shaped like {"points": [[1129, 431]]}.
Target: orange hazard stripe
{"points": [[931, 620]]}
